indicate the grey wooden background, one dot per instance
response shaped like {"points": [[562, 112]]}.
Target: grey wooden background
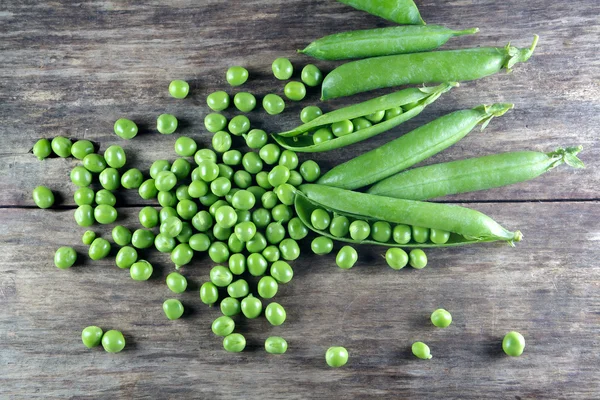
{"points": [[73, 67]]}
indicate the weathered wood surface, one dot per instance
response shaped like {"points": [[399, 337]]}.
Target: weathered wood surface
{"points": [[72, 68]]}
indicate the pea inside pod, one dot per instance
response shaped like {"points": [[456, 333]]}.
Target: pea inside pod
{"points": [[413, 99], [466, 226]]}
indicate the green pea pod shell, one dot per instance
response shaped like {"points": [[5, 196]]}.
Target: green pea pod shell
{"points": [[381, 42], [416, 98], [467, 226], [411, 148], [417, 68], [403, 12], [473, 174]]}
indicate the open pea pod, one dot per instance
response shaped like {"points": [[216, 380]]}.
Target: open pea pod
{"points": [[466, 226], [412, 100]]}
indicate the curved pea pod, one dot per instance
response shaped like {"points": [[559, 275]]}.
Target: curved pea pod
{"points": [[411, 148], [403, 12], [429, 67], [414, 100], [466, 226], [474, 174], [381, 42]]}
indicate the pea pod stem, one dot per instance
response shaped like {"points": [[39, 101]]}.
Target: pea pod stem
{"points": [[474, 174], [410, 148], [381, 42], [473, 226], [417, 68], [403, 12], [417, 98]]}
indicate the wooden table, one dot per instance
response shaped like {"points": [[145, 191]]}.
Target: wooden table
{"points": [[73, 68]]}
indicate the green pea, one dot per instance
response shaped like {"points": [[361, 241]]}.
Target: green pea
{"points": [[167, 199], [235, 245], [84, 215], [257, 265], [320, 219], [209, 294], [238, 289], [199, 242], [376, 116], [340, 226], [173, 309], [396, 258], [239, 125], [88, 237], [140, 270], [158, 166], [271, 253], [417, 259], [288, 159], [342, 128], [65, 257], [289, 249], [275, 314], [360, 123], [221, 276], [513, 344], [244, 101], [115, 156], [218, 101], [179, 89], [282, 271], [43, 197], [216, 205], [251, 307], [402, 234], [267, 287], [82, 196], [181, 168], [243, 200], [275, 232], [110, 179], [256, 138], [42, 149], [142, 238], [381, 232], [421, 350], [166, 124], [121, 235], [322, 135], [321, 245], [81, 148], [126, 256], [273, 104], [359, 230], [346, 257], [257, 243], [275, 345], [226, 217], [310, 171], [234, 343], [164, 243], [186, 233], [209, 171], [185, 146], [104, 196], [215, 122], [230, 306], [236, 76], [105, 214], [279, 175], [61, 146], [182, 193], [113, 341], [392, 113], [205, 155], [336, 356], [91, 336], [242, 179], [221, 233], [311, 75], [220, 186], [441, 318], [221, 141], [296, 229], [282, 68], [197, 189], [165, 213], [182, 254], [270, 153], [125, 128], [420, 234], [223, 326], [282, 213], [218, 252], [232, 157], [269, 200], [99, 249], [295, 91], [237, 264], [261, 217], [94, 163], [438, 236], [148, 217], [262, 180], [245, 231], [252, 163]]}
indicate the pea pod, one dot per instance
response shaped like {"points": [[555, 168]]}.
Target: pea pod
{"points": [[473, 174], [410, 148], [429, 67], [403, 12], [466, 226], [414, 100], [381, 42]]}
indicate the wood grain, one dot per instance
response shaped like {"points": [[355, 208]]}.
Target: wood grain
{"points": [[72, 68]]}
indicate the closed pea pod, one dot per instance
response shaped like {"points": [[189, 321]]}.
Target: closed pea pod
{"points": [[418, 98], [403, 12], [410, 148], [473, 174], [417, 68]]}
